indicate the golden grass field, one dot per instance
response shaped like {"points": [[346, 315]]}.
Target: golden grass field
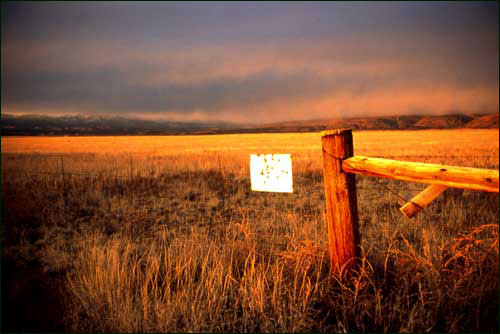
{"points": [[377, 143], [162, 234], [470, 148]]}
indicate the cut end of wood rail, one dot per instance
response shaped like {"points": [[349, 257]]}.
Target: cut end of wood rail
{"points": [[334, 132], [424, 198], [409, 210]]}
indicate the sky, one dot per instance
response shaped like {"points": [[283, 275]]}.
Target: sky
{"points": [[251, 62]]}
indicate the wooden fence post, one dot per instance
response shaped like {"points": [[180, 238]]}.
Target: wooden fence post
{"points": [[341, 201]]}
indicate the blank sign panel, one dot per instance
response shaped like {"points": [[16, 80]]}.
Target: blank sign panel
{"points": [[271, 172]]}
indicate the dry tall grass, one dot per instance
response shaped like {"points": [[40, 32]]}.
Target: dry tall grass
{"points": [[178, 242]]}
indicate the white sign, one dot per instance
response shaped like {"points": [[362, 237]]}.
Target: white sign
{"points": [[271, 172]]}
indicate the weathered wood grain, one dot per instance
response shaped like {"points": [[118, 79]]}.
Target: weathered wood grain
{"points": [[341, 202], [450, 176]]}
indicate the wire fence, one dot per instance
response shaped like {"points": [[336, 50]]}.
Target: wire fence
{"points": [[370, 187]]}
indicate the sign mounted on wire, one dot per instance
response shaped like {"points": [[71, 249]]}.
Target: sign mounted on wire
{"points": [[271, 172]]}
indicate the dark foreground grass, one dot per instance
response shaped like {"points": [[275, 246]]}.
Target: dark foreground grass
{"points": [[195, 250]]}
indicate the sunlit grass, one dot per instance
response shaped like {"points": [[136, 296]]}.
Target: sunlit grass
{"points": [[174, 241]]}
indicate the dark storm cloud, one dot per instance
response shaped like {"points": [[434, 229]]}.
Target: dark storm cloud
{"points": [[239, 58], [79, 88]]}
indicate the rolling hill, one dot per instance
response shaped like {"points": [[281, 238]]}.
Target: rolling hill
{"points": [[485, 121], [31, 125]]}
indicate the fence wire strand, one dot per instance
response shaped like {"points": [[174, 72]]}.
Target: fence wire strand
{"points": [[110, 172], [403, 198]]}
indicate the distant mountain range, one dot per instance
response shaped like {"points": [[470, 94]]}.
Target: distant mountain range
{"points": [[408, 122], [100, 125], [33, 125]]}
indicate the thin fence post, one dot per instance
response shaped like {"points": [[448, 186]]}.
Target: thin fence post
{"points": [[341, 202], [222, 183], [64, 184], [129, 186], [130, 175]]}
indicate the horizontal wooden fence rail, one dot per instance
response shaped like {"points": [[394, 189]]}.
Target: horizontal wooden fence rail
{"points": [[339, 168], [450, 176]]}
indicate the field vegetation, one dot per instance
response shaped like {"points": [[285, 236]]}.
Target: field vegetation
{"points": [[162, 234]]}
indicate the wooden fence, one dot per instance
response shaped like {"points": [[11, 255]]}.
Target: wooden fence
{"points": [[339, 169]]}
